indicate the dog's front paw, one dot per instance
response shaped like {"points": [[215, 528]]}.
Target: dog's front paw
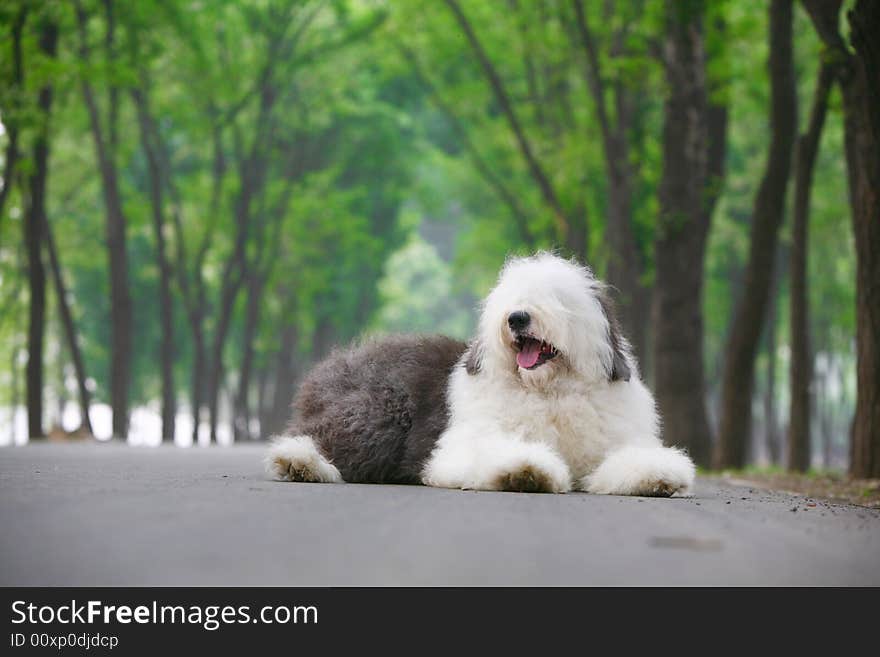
{"points": [[664, 488], [643, 471], [527, 479], [538, 472], [298, 459], [497, 463]]}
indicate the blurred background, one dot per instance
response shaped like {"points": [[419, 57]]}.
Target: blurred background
{"points": [[201, 198]]}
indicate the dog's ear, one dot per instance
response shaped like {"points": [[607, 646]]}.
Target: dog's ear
{"points": [[619, 366], [474, 361]]}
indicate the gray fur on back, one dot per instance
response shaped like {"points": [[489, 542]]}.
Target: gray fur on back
{"points": [[376, 409]]}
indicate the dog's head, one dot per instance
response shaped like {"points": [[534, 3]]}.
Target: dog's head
{"points": [[548, 317]]}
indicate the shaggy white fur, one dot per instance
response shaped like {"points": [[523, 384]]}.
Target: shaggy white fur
{"points": [[497, 462], [296, 458], [565, 424], [646, 471], [577, 417]]}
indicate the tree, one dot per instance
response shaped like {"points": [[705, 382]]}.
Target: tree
{"points": [[16, 89], [252, 165], [858, 74], [571, 229], [70, 332], [34, 228], [767, 216], [771, 343], [554, 126], [626, 266], [484, 168], [801, 369], [166, 306], [693, 160], [105, 137], [261, 169]]}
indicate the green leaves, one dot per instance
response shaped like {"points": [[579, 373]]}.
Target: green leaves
{"points": [[386, 158]]}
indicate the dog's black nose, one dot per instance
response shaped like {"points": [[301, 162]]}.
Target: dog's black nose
{"points": [[518, 320]]}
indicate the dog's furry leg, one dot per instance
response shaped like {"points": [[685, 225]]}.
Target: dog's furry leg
{"points": [[296, 458], [496, 463], [646, 471]]}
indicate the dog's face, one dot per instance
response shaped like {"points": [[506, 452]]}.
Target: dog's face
{"points": [[548, 318]]}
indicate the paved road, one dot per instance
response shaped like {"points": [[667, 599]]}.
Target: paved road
{"points": [[109, 515]]}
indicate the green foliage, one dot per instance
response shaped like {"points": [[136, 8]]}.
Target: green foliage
{"points": [[416, 294], [376, 212], [831, 258]]}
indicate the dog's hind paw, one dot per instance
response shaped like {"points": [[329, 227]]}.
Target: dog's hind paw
{"points": [[298, 459]]}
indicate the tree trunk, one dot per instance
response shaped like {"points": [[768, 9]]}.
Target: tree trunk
{"points": [[861, 100], [801, 366], [771, 430], [263, 406], [193, 294], [37, 290], [34, 225], [769, 210], [258, 273], [120, 308], [166, 304], [324, 339], [252, 171], [242, 419], [625, 266], [229, 294], [198, 378], [681, 240], [285, 375], [859, 76], [823, 415], [11, 157], [60, 382], [13, 367], [70, 333], [120, 299]]}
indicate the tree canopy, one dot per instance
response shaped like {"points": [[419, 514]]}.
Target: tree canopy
{"points": [[297, 173]]}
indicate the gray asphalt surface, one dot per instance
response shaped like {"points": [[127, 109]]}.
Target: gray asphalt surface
{"points": [[110, 515]]}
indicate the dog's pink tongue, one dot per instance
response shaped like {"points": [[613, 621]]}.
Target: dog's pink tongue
{"points": [[529, 354]]}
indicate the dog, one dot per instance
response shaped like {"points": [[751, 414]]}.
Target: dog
{"points": [[545, 398]]}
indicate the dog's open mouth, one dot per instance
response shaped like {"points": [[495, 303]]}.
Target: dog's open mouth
{"points": [[532, 352]]}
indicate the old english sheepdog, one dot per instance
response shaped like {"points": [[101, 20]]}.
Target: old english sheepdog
{"points": [[546, 398]]}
